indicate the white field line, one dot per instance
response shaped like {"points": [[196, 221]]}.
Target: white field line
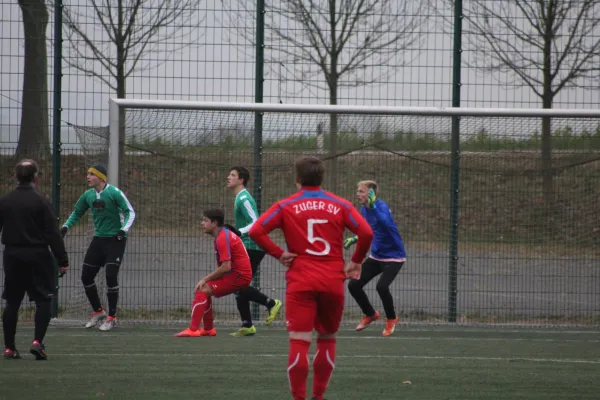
{"points": [[399, 337], [72, 324], [274, 355]]}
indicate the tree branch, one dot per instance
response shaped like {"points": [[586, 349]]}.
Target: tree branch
{"points": [[138, 26], [368, 35], [514, 34]]}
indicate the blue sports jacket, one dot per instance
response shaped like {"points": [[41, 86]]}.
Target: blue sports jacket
{"points": [[387, 242]]}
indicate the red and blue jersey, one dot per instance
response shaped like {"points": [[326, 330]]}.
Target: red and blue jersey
{"points": [[313, 222], [229, 247]]}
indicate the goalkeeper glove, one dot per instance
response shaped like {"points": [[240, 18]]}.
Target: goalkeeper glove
{"points": [[63, 231], [350, 241], [372, 198], [120, 235]]}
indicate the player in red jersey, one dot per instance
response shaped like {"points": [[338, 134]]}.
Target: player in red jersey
{"points": [[233, 274], [313, 223]]}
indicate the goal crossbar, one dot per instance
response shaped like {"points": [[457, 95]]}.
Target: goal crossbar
{"points": [[355, 109], [116, 105]]}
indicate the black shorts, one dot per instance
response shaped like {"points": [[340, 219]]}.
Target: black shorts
{"points": [[105, 251], [256, 257], [28, 270]]}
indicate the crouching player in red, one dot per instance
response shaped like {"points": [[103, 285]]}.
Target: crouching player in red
{"points": [[313, 223], [233, 274]]}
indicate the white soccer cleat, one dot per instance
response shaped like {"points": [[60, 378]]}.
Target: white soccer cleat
{"points": [[95, 318], [110, 323]]}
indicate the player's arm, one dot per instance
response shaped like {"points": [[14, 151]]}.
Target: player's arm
{"points": [[260, 230], [224, 249], [224, 268], [126, 208], [53, 237], [380, 210], [383, 214], [251, 213], [78, 211], [358, 225]]}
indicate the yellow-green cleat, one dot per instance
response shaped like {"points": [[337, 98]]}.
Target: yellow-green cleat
{"points": [[244, 331], [273, 311]]}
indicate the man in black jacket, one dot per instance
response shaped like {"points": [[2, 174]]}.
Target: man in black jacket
{"points": [[29, 226]]}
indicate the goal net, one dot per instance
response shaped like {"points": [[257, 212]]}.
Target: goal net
{"points": [[500, 225]]}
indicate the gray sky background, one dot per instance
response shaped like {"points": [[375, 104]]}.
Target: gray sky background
{"points": [[218, 65]]}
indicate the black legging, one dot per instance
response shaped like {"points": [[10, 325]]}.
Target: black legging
{"points": [[370, 269], [251, 294]]}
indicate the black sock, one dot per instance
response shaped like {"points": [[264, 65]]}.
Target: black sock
{"points": [[270, 303], [112, 294], [254, 295], [243, 306], [43, 313], [9, 323], [92, 294]]}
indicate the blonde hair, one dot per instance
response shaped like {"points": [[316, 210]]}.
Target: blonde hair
{"points": [[369, 184]]}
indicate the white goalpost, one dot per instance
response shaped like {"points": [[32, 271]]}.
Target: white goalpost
{"points": [[468, 197]]}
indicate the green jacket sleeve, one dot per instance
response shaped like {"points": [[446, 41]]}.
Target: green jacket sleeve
{"points": [[250, 214], [80, 208], [126, 208]]}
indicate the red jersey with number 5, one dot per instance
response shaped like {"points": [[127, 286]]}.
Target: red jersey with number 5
{"points": [[313, 223]]}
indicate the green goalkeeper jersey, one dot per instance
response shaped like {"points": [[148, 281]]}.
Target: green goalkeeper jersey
{"points": [[245, 213], [111, 210]]}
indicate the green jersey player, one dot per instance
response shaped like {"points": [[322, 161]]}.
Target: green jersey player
{"points": [[113, 216], [246, 213]]}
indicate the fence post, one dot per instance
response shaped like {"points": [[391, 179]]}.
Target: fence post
{"points": [[56, 134], [455, 166], [258, 123]]}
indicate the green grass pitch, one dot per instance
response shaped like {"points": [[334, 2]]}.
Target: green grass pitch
{"points": [[427, 362]]}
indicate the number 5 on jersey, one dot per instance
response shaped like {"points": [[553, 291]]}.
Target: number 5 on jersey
{"points": [[314, 239]]}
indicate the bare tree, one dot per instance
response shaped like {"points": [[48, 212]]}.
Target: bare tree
{"points": [[546, 45], [346, 42], [109, 39], [34, 135]]}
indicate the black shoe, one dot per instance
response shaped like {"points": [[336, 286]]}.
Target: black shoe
{"points": [[11, 354], [38, 350]]}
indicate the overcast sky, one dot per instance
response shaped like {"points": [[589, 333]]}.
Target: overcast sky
{"points": [[218, 65]]}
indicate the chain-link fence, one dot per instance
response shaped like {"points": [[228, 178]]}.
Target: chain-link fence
{"points": [[523, 261]]}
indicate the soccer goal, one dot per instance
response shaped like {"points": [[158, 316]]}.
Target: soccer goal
{"points": [[497, 207]]}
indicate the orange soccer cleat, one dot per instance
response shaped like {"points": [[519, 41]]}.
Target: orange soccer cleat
{"points": [[189, 333], [366, 321], [211, 332], [390, 326]]}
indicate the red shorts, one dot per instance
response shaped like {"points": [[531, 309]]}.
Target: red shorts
{"points": [[321, 311], [229, 283]]}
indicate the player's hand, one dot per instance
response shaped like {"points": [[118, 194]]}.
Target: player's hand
{"points": [[63, 231], [352, 270], [120, 235], [199, 285], [350, 241], [287, 258], [62, 270], [371, 200]]}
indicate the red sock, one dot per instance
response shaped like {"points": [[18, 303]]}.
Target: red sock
{"points": [[323, 366], [208, 315], [198, 306], [298, 368]]}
